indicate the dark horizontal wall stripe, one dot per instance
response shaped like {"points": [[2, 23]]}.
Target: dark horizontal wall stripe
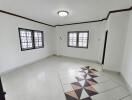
{"points": [[25, 18], [110, 12]]}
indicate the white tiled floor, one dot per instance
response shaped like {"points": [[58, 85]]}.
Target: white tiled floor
{"points": [[102, 79], [43, 80], [114, 94], [127, 98], [105, 86]]}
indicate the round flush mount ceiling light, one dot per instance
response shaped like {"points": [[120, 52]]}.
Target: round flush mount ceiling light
{"points": [[63, 13]]}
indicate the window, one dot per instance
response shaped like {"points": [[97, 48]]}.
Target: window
{"points": [[26, 39], [83, 39], [30, 39], [78, 39], [72, 39], [38, 38]]}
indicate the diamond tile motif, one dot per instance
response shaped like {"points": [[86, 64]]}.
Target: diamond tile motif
{"points": [[90, 84], [76, 87], [82, 83], [82, 88], [84, 94], [71, 95], [67, 88]]}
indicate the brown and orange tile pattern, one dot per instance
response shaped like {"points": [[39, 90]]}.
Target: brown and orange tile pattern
{"points": [[83, 88]]}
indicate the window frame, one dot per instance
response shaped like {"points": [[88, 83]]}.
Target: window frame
{"points": [[69, 39], [77, 44], [41, 38], [33, 39]]}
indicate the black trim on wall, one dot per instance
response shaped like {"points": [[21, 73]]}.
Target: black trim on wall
{"points": [[2, 93], [110, 12], [9, 13], [106, 18], [105, 42], [81, 22]]}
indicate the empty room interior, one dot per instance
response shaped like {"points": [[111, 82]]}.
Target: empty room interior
{"points": [[65, 49]]}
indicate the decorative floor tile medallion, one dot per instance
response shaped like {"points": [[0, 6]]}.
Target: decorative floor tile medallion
{"points": [[83, 88]]}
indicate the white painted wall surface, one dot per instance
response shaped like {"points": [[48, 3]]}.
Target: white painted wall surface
{"points": [[130, 2], [127, 57], [11, 55], [95, 46], [117, 27]]}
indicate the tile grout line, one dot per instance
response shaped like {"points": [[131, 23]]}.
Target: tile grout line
{"points": [[60, 82], [119, 85], [125, 97], [114, 89], [109, 89]]}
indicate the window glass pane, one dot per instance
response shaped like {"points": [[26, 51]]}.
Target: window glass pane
{"points": [[70, 43], [24, 45], [23, 39], [39, 35], [80, 44], [35, 34], [23, 33], [26, 39], [83, 38], [40, 43], [28, 33], [74, 43], [29, 44], [71, 35], [38, 39], [72, 39], [84, 44]]}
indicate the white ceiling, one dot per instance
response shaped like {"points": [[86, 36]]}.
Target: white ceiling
{"points": [[46, 10]]}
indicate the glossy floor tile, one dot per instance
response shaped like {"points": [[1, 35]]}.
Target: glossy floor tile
{"points": [[114, 94], [105, 86], [127, 98], [62, 78]]}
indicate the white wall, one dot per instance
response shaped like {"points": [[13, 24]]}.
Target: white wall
{"points": [[117, 28], [127, 57], [11, 55], [96, 41], [130, 2]]}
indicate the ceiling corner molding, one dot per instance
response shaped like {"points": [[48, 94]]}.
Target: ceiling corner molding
{"points": [[81, 22], [9, 13], [116, 11], [106, 18]]}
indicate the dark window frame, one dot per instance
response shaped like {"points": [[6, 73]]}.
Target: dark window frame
{"points": [[41, 39], [77, 43], [33, 39]]}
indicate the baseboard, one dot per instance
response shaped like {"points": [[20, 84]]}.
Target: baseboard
{"points": [[127, 85], [10, 70], [92, 61]]}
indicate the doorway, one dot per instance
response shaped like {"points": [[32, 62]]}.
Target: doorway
{"points": [[2, 93]]}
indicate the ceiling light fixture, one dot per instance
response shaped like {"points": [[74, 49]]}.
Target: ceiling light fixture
{"points": [[63, 13]]}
